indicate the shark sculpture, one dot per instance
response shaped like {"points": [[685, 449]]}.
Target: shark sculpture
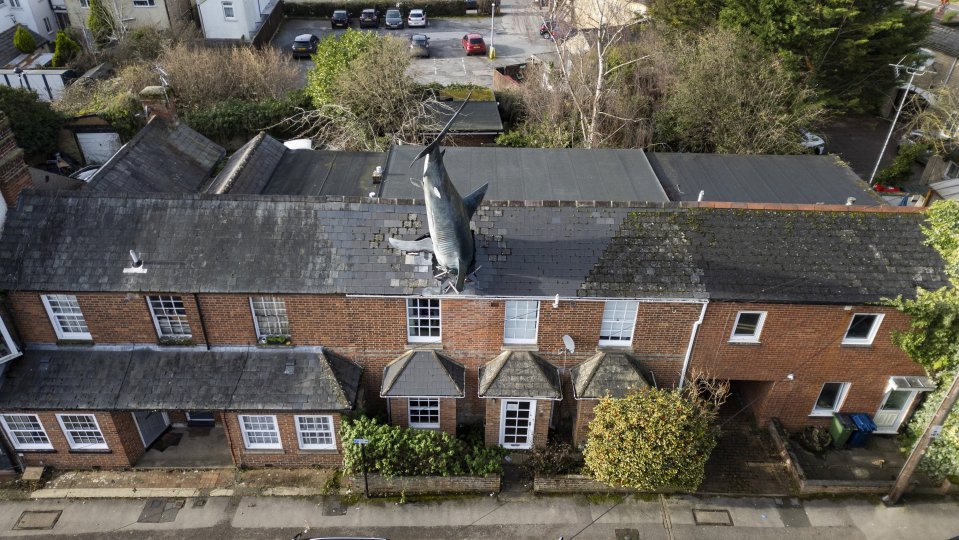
{"points": [[448, 215]]}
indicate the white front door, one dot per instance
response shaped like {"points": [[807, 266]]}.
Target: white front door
{"points": [[517, 419], [151, 424], [893, 409]]}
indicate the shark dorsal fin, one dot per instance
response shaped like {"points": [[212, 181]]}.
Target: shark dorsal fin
{"points": [[473, 200], [436, 142]]}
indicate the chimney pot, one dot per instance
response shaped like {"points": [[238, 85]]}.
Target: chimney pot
{"points": [[850, 201], [377, 174], [156, 103]]}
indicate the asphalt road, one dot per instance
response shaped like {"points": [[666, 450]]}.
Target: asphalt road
{"points": [[515, 38], [668, 518]]}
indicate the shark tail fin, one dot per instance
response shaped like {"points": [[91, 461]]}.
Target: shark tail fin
{"points": [[473, 200], [436, 142], [413, 246]]}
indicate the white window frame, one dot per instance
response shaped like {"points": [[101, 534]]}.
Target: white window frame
{"points": [[522, 314], [55, 321], [15, 4], [300, 433], [144, 3], [47, 25], [11, 345], [423, 407], [502, 424], [275, 429], [225, 5], [439, 318], [617, 306], [156, 320], [275, 307], [750, 338], [846, 340], [85, 4], [843, 392], [17, 444], [68, 433]]}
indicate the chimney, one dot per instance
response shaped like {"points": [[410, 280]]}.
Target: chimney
{"points": [[14, 175], [156, 103], [377, 175]]}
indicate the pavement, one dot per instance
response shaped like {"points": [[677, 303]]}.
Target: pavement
{"points": [[515, 38], [658, 517]]}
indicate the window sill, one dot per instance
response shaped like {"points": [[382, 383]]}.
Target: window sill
{"points": [[520, 347], [92, 451], [745, 342], [615, 347], [274, 346], [331, 451], [176, 342], [855, 344], [263, 450], [35, 450], [434, 345], [75, 342], [822, 414]]}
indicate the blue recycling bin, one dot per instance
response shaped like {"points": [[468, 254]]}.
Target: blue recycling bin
{"points": [[865, 426]]}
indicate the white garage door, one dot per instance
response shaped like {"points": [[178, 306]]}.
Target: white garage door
{"points": [[97, 148], [151, 425]]}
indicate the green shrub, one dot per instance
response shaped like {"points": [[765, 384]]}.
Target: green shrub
{"points": [[433, 8], [816, 439], [397, 451], [551, 460], [34, 123], [23, 40], [949, 16], [901, 168], [64, 50], [100, 22], [241, 118]]}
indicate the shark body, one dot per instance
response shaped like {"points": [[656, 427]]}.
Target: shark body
{"points": [[448, 216]]}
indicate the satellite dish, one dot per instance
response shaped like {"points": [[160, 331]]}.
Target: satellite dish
{"points": [[568, 343]]}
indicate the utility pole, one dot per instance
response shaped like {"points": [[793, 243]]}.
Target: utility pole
{"points": [[932, 431], [492, 14], [912, 70]]}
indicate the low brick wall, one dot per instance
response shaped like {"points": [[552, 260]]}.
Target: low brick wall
{"points": [[573, 483], [427, 485]]}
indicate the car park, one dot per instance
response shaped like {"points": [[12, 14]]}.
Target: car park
{"points": [[369, 18], [393, 19], [420, 46], [417, 19], [340, 19], [474, 44], [305, 45], [472, 4]]}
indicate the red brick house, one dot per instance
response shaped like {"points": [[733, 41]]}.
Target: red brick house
{"points": [[278, 315]]}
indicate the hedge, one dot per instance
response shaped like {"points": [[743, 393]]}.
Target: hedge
{"points": [[324, 9]]}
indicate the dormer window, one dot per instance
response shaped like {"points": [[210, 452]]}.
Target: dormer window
{"points": [[862, 329], [748, 326]]}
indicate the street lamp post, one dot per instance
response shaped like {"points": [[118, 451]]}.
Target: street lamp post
{"points": [[492, 14]]}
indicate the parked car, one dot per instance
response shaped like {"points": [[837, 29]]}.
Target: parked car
{"points": [[420, 46], [417, 18], [393, 19], [814, 144], [340, 19], [369, 18], [305, 45], [471, 4], [474, 44]]}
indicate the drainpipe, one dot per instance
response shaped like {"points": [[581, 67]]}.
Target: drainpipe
{"points": [[199, 311], [692, 340]]}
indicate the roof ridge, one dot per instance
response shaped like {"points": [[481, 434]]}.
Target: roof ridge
{"points": [[341, 392], [443, 359], [405, 358], [594, 362]]}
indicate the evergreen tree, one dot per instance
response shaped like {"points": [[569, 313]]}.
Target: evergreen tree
{"points": [[64, 50], [101, 22], [23, 40]]}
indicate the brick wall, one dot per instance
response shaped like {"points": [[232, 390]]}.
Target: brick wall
{"points": [[422, 485], [584, 415], [540, 426], [290, 455], [118, 428], [573, 483], [14, 175], [804, 340], [399, 415]]}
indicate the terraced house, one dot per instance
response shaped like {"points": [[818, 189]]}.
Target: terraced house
{"points": [[271, 318]]}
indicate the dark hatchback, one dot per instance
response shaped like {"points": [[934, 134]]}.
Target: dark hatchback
{"points": [[305, 45], [393, 19], [369, 18], [340, 19]]}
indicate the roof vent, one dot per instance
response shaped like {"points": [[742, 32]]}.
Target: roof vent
{"points": [[136, 264], [377, 175], [702, 193], [290, 367], [850, 201]]}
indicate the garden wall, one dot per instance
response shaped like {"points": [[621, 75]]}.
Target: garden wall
{"points": [[573, 483], [427, 485]]}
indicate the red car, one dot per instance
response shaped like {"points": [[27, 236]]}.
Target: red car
{"points": [[474, 44]]}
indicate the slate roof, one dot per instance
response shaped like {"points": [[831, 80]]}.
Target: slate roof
{"points": [[942, 39], [7, 51], [423, 374], [610, 374], [479, 117], [524, 174], [143, 379], [947, 189], [261, 244], [264, 165], [520, 374], [762, 179], [162, 157]]}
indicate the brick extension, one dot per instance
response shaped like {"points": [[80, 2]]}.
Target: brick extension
{"points": [[14, 175]]}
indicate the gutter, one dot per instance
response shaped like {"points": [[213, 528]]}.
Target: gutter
{"points": [[692, 340]]}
